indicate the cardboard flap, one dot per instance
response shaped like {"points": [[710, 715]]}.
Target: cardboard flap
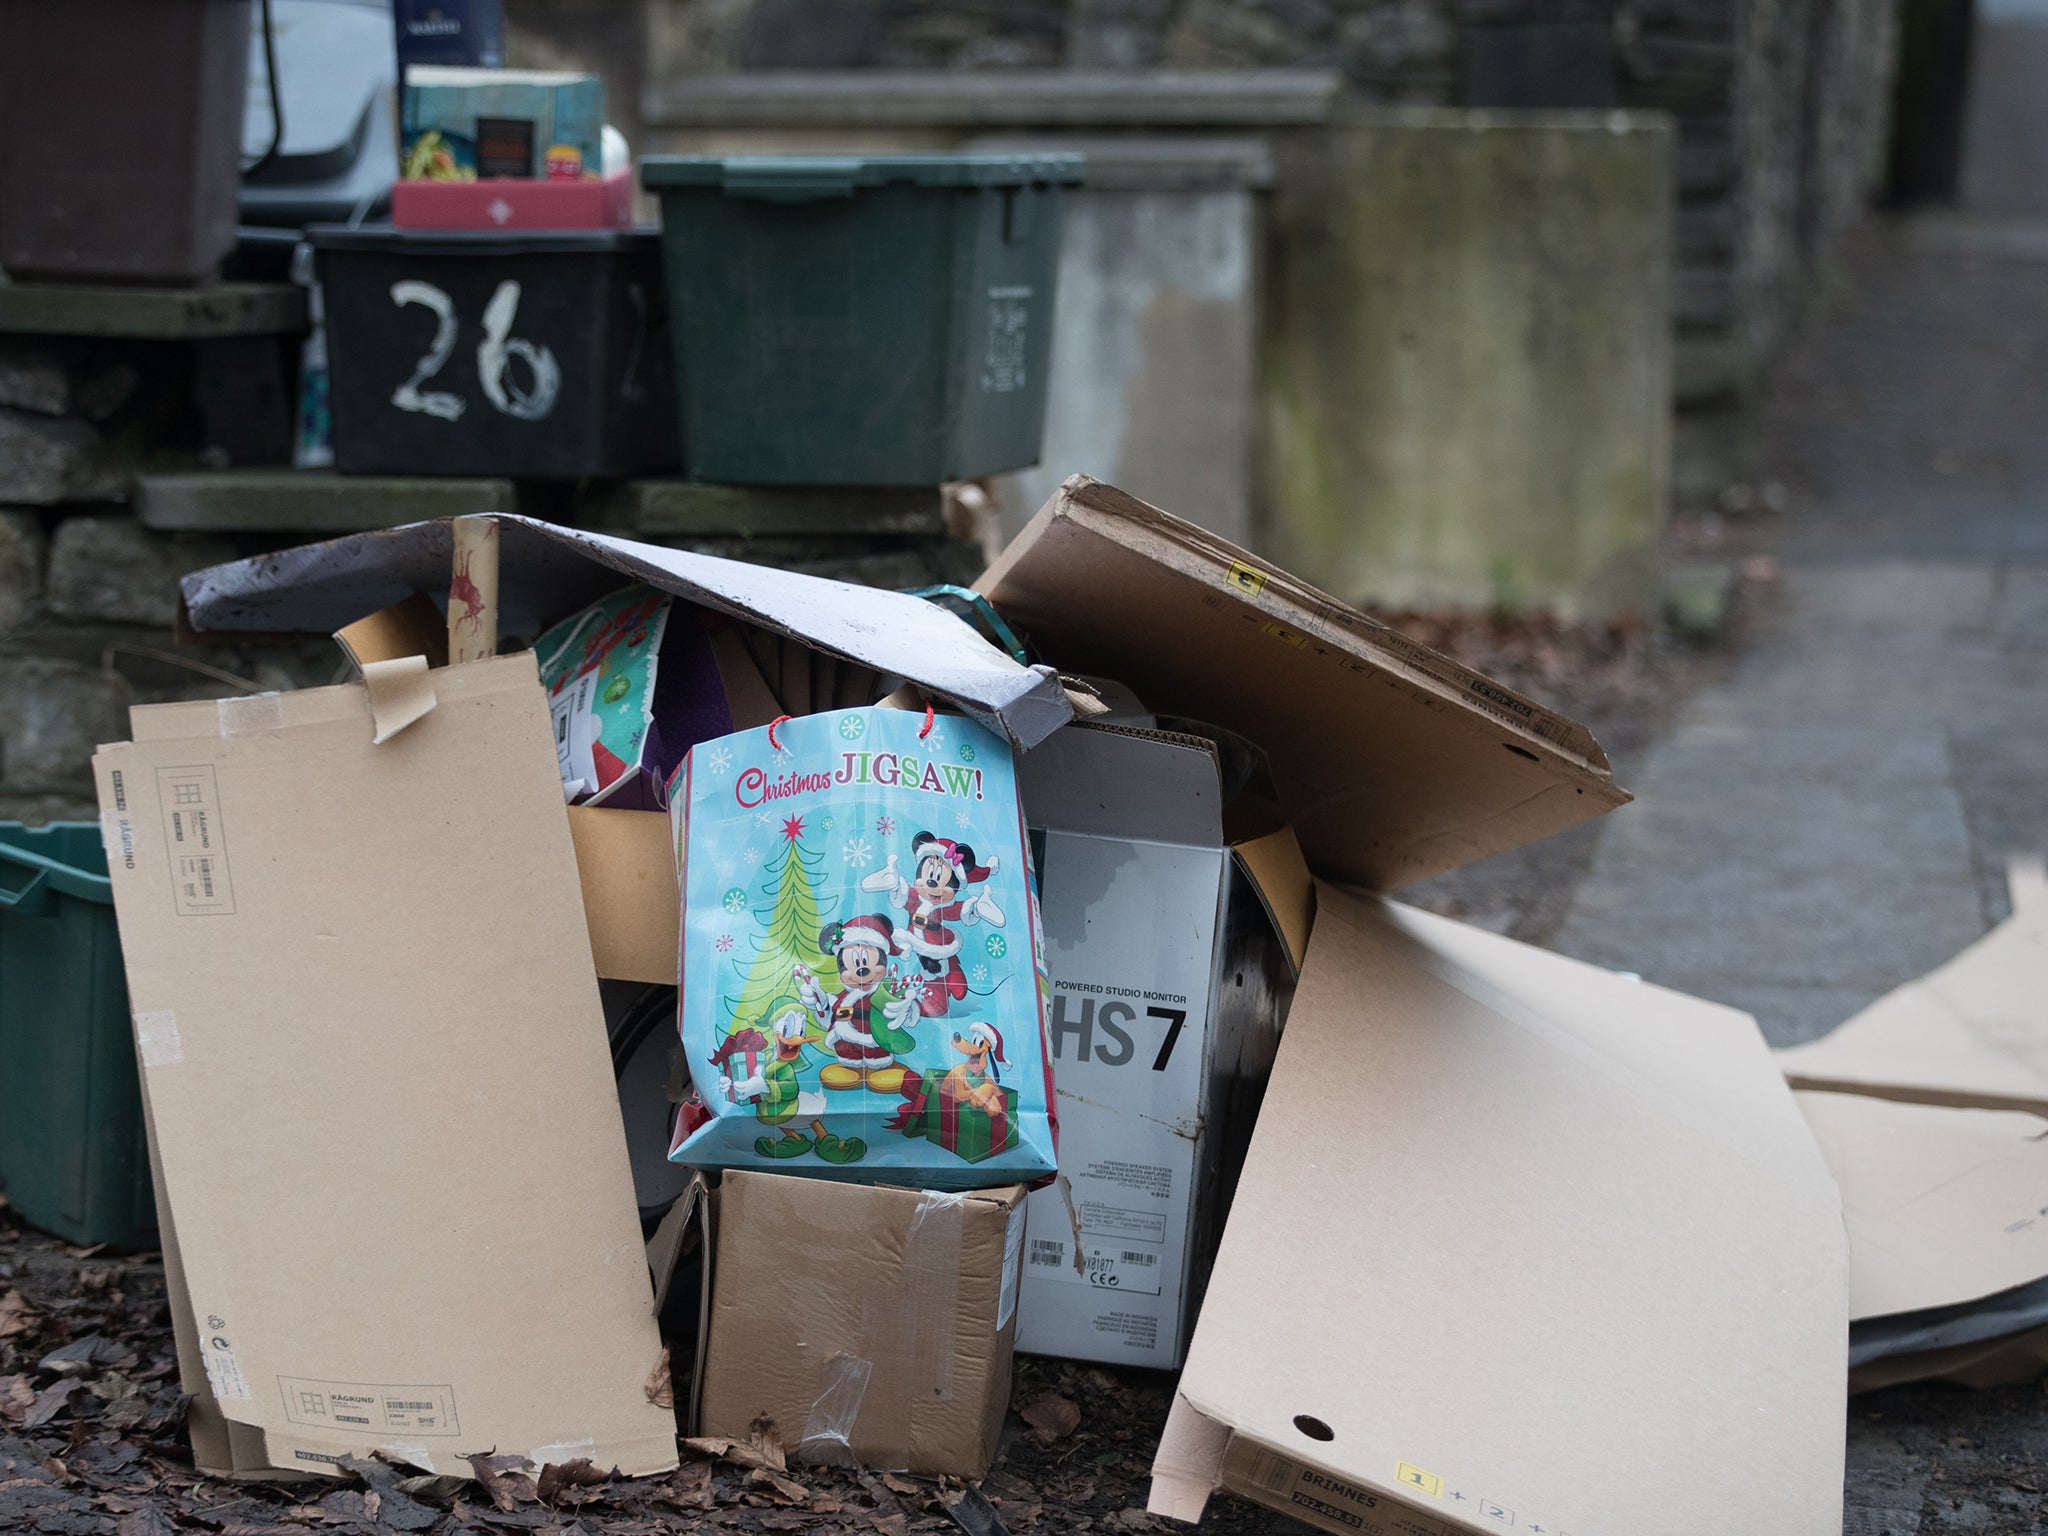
{"points": [[1132, 785], [546, 572], [1973, 1032], [1393, 762], [627, 863], [375, 1063], [1286, 889], [1506, 1237]]}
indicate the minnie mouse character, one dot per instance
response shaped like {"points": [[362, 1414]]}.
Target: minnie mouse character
{"points": [[932, 905]]}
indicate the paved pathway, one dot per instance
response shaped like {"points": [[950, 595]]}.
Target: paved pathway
{"points": [[1832, 818]]}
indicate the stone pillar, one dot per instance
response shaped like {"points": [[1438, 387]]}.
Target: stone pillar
{"points": [[1154, 368], [1468, 360]]}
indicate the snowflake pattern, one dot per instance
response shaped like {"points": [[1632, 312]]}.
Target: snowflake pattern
{"points": [[962, 820], [735, 900], [852, 727], [997, 946], [784, 757], [829, 823], [724, 944], [980, 975], [719, 759], [858, 853], [966, 751], [886, 825], [936, 742], [751, 855]]}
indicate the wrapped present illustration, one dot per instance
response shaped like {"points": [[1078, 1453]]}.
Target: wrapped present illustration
{"points": [[863, 988]]}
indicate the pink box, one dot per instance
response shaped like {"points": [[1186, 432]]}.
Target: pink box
{"points": [[509, 202]]}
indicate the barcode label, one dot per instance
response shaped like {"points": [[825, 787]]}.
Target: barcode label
{"points": [[1131, 1256], [1045, 1253], [395, 1405]]}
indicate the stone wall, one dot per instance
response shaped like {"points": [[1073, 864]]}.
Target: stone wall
{"points": [[88, 596]]}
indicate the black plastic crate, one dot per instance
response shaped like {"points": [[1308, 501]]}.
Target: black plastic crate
{"points": [[543, 354]]}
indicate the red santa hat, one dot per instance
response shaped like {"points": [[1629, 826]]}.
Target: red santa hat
{"points": [[874, 932], [991, 1037], [929, 845]]}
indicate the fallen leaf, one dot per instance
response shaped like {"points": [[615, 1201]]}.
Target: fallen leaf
{"points": [[1053, 1416], [149, 1520], [763, 1437], [782, 1489], [580, 1473], [16, 1398], [49, 1403], [507, 1479], [661, 1386], [734, 1451], [16, 1315]]}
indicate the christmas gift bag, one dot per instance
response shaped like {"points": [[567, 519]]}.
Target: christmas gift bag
{"points": [[863, 987]]}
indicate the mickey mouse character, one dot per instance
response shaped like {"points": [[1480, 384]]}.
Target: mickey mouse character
{"points": [[932, 904], [867, 1022]]}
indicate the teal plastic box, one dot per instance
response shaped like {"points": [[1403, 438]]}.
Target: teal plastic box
{"points": [[73, 1155]]}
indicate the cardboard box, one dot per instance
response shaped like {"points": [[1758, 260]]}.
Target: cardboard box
{"points": [[1171, 977], [371, 1053], [1517, 1241], [869, 1324], [383, 1120]]}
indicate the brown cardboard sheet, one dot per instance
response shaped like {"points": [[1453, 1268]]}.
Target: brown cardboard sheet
{"points": [[376, 1073], [1392, 762], [1943, 1205], [1519, 1243], [627, 864]]}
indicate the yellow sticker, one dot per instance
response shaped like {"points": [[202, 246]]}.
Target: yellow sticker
{"points": [[1411, 1476], [1247, 580], [1284, 635]]}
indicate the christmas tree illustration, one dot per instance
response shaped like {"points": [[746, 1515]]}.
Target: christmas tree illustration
{"points": [[790, 915]]}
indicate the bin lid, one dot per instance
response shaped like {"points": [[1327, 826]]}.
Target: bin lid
{"points": [[479, 242], [800, 178]]}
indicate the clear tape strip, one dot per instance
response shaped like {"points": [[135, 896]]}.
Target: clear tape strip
{"points": [[914, 1330], [828, 1432], [255, 714]]}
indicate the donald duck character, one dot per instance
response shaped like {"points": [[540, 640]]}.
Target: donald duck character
{"points": [[867, 1022], [772, 1088]]}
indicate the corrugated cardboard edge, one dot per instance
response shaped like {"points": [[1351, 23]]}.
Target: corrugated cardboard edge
{"points": [[692, 1212]]}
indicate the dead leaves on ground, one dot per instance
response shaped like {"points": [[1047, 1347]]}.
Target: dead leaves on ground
{"points": [[1051, 1416]]}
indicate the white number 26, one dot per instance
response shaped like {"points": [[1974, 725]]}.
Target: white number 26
{"points": [[494, 356]]}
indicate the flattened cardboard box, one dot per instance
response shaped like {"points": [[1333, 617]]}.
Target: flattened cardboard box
{"points": [[1575, 1262], [869, 1323], [375, 1069]]}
